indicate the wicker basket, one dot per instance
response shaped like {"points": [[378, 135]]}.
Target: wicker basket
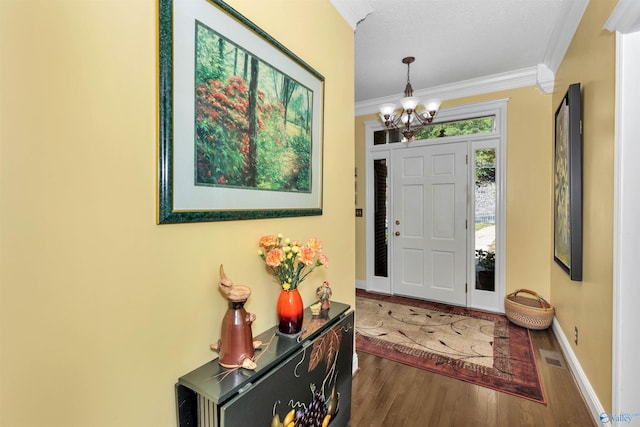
{"points": [[528, 312]]}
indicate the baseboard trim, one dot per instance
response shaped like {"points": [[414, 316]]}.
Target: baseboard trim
{"points": [[589, 395]]}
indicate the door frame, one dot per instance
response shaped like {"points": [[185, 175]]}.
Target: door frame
{"points": [[626, 316], [496, 108]]}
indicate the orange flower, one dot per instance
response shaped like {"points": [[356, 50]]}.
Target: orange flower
{"points": [[315, 244], [323, 260], [274, 257], [268, 241], [306, 255]]}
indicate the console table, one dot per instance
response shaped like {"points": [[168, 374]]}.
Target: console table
{"points": [[291, 373]]}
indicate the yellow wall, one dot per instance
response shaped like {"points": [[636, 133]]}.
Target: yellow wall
{"points": [[101, 310], [528, 186], [590, 60]]}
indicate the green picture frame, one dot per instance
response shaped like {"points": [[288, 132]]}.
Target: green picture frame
{"points": [[240, 119]]}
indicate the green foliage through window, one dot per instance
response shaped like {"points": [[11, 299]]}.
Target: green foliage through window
{"points": [[456, 128], [485, 166]]}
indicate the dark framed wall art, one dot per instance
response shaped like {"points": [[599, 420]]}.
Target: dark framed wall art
{"points": [[567, 179], [240, 119]]}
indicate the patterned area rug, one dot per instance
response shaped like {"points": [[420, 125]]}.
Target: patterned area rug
{"points": [[477, 347]]}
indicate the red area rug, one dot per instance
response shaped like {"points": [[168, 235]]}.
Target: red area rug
{"points": [[481, 348]]}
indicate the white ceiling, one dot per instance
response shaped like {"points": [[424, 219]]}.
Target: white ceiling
{"points": [[456, 43]]}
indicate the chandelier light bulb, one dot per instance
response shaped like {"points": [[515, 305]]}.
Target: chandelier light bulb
{"points": [[409, 103], [387, 110], [406, 117], [432, 105]]}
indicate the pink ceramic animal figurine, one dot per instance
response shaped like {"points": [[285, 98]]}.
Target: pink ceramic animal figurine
{"points": [[236, 346]]}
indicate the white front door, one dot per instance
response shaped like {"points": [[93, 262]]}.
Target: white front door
{"points": [[428, 227]]}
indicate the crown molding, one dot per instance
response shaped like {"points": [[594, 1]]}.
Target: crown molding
{"points": [[353, 11], [545, 78], [625, 18], [532, 76], [563, 34]]}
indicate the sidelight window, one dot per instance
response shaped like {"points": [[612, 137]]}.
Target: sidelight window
{"points": [[485, 218]]}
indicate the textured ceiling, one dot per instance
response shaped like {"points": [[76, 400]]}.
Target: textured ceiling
{"points": [[454, 40]]}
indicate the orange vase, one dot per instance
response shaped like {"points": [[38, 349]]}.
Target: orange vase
{"points": [[290, 312]]}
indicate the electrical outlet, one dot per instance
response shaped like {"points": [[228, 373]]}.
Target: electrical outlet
{"points": [[575, 334]]}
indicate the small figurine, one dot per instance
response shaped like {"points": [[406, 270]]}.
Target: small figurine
{"points": [[236, 345], [323, 293], [315, 308]]}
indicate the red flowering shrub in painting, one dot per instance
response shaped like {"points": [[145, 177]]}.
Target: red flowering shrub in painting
{"points": [[222, 131]]}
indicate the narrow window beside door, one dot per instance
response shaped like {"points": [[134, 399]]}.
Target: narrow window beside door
{"points": [[485, 218], [381, 225]]}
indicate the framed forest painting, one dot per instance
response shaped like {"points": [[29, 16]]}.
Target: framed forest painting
{"points": [[567, 179], [240, 116]]}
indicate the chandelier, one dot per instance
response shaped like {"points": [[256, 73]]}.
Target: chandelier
{"points": [[414, 114]]}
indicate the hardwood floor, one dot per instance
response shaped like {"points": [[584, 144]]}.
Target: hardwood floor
{"points": [[387, 393]]}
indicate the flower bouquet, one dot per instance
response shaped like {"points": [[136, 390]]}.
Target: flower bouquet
{"points": [[291, 262]]}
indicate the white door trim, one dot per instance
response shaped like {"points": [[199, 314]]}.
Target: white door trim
{"points": [[626, 270]]}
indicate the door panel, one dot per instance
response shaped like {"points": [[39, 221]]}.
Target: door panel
{"points": [[444, 266], [411, 259], [443, 205], [429, 214], [413, 197]]}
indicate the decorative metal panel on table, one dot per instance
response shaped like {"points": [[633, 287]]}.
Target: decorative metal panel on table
{"points": [[291, 374]]}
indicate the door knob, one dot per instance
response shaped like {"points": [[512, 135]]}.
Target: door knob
{"points": [[397, 233]]}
